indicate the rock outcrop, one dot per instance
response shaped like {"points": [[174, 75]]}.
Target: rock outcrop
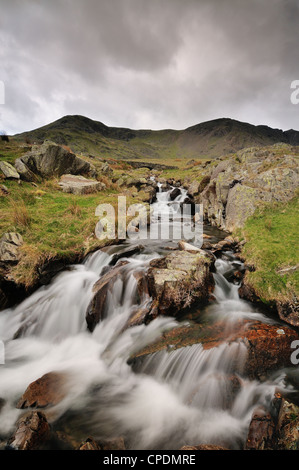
{"points": [[239, 184], [179, 280], [49, 160]]}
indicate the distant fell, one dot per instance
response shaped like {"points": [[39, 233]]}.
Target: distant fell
{"points": [[206, 140]]}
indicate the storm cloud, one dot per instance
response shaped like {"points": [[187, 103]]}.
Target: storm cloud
{"points": [[148, 63]]}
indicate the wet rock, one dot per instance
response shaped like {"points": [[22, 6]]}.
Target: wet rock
{"points": [[203, 447], [126, 253], [174, 194], [261, 431], [268, 348], [32, 432], [79, 185], [45, 391], [8, 171], [288, 426], [96, 309], [184, 246], [89, 444], [289, 310], [179, 280], [117, 443]]}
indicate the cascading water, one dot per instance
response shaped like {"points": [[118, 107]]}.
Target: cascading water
{"points": [[179, 397]]}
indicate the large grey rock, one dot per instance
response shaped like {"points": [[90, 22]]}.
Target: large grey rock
{"points": [[50, 159], [179, 280], [24, 172], [79, 185], [9, 171]]}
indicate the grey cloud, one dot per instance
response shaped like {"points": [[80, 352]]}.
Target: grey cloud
{"points": [[154, 64]]}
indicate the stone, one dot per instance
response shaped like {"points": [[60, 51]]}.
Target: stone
{"points": [[117, 443], [49, 160], [32, 432], [24, 172], [45, 391], [96, 309], [174, 194], [267, 349], [179, 280], [76, 184], [12, 237], [9, 253], [8, 171], [288, 426], [261, 431], [89, 444], [203, 447], [105, 169], [184, 246]]}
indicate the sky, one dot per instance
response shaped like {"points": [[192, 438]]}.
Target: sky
{"points": [[151, 64]]}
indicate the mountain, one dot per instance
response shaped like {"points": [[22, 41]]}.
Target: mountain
{"points": [[206, 140]]}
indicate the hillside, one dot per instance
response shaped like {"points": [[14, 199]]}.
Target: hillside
{"points": [[206, 140]]}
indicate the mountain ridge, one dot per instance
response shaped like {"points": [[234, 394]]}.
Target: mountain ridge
{"points": [[208, 139]]}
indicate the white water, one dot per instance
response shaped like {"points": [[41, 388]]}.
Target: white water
{"points": [[177, 398]]}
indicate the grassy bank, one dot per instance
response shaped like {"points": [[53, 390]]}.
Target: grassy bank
{"points": [[54, 225], [272, 248]]}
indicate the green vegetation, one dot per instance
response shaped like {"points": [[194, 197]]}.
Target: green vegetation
{"points": [[272, 248], [206, 140]]}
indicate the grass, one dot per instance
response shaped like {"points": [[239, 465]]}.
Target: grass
{"points": [[54, 225], [272, 246]]}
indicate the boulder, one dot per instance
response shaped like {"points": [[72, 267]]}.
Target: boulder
{"points": [[261, 431], [76, 184], [24, 172], [268, 346], [49, 160], [179, 280], [96, 309], [8, 171], [105, 169], [175, 193], [45, 391], [32, 432]]}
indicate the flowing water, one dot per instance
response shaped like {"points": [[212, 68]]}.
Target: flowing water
{"points": [[176, 397]]}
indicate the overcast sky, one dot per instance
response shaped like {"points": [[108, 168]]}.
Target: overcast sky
{"points": [[148, 63]]}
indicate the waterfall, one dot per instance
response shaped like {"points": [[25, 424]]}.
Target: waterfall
{"points": [[187, 396]]}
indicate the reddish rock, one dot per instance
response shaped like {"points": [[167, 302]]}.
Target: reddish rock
{"points": [[32, 432], [46, 391], [268, 346], [261, 431]]}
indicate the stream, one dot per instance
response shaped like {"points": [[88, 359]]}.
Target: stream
{"points": [[175, 398]]}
